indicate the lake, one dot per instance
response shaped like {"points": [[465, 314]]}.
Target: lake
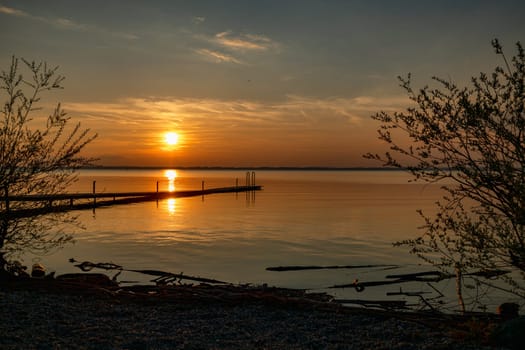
{"points": [[299, 218]]}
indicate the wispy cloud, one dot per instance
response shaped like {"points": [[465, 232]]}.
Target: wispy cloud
{"points": [[294, 111], [218, 56], [244, 41], [230, 47], [66, 23], [12, 11], [198, 19]]}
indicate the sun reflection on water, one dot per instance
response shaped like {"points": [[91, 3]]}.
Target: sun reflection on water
{"points": [[171, 175], [171, 205]]}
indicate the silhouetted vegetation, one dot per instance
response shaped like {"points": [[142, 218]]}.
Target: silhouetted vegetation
{"points": [[38, 155], [473, 137]]}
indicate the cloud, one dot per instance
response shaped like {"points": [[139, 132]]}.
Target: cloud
{"points": [[244, 41], [198, 19], [218, 56], [352, 109], [13, 12], [294, 112], [66, 24], [227, 46]]}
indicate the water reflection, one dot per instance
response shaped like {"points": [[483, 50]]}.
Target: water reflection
{"points": [[250, 198], [171, 205], [171, 175]]}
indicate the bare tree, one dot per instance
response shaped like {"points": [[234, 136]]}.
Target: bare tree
{"points": [[474, 137], [38, 155]]}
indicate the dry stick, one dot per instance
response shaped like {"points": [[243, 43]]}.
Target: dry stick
{"points": [[360, 286], [439, 274], [386, 304], [416, 275], [173, 276], [299, 268], [414, 294]]}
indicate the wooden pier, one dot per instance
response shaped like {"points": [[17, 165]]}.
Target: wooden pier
{"points": [[80, 201]]}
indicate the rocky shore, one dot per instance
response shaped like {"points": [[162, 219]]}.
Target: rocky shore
{"points": [[44, 319]]}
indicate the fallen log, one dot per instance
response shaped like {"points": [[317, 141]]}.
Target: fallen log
{"points": [[314, 267]]}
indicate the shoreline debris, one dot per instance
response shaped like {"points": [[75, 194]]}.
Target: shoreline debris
{"points": [[162, 278]]}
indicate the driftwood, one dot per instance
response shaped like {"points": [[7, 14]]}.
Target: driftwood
{"points": [[162, 277], [210, 290], [99, 285], [420, 295], [313, 267], [428, 276], [383, 304], [360, 286], [438, 275]]}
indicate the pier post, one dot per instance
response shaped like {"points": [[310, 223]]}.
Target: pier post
{"points": [[94, 193], [253, 178], [203, 185]]}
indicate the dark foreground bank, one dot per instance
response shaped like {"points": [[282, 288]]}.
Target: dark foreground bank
{"points": [[50, 320]]}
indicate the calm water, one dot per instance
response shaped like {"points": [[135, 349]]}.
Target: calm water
{"points": [[299, 218]]}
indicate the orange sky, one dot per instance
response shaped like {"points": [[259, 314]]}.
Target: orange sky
{"points": [[296, 132], [245, 84]]}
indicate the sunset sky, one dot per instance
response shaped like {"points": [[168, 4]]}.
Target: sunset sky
{"points": [[249, 83]]}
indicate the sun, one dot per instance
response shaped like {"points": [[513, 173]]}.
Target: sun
{"points": [[171, 138]]}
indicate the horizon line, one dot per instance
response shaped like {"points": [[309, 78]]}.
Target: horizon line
{"points": [[138, 167]]}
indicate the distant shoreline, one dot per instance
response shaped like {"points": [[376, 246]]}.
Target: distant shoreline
{"points": [[307, 168]]}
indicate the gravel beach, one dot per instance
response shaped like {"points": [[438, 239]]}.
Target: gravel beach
{"points": [[40, 319]]}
